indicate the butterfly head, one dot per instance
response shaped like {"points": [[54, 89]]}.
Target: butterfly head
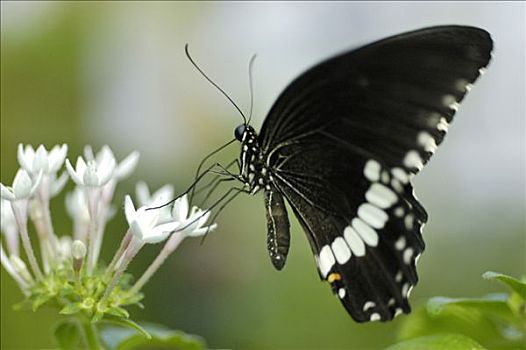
{"points": [[240, 131]]}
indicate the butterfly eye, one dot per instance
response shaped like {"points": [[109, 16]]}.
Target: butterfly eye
{"points": [[239, 131]]}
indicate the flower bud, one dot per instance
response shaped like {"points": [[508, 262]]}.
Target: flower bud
{"points": [[78, 252]]}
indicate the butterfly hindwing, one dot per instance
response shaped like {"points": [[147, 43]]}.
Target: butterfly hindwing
{"points": [[342, 143], [364, 233]]}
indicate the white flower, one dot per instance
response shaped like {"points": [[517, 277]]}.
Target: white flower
{"points": [[23, 186], [165, 193], [92, 174], [57, 184], [191, 223], [49, 162], [144, 223], [8, 226], [122, 169], [77, 205]]}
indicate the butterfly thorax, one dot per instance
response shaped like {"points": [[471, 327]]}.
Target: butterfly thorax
{"points": [[254, 173]]}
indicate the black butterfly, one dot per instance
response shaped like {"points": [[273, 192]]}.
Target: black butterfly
{"points": [[341, 145]]}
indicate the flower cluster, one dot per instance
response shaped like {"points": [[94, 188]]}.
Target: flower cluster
{"points": [[67, 271]]}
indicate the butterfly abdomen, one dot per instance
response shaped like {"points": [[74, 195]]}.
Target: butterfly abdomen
{"points": [[278, 236]]}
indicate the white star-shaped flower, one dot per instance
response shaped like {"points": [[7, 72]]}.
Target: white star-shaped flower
{"points": [[144, 223], [122, 169], [41, 160], [94, 173], [192, 222], [23, 186]]}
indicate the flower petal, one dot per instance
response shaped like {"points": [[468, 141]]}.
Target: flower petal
{"points": [[57, 184], [88, 153], [180, 209], [105, 155], [25, 159], [40, 161], [105, 171], [73, 174], [37, 182], [129, 209], [201, 231], [90, 177], [127, 165], [22, 184], [56, 157], [156, 235], [142, 193], [165, 192], [6, 193]]}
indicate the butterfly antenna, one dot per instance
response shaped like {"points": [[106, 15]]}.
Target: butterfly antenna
{"points": [[213, 83], [251, 85]]}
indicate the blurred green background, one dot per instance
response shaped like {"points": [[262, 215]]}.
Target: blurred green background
{"points": [[115, 73]]}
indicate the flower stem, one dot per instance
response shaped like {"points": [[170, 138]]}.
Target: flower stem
{"points": [[129, 254], [91, 335], [124, 244], [168, 248], [93, 197], [21, 220]]}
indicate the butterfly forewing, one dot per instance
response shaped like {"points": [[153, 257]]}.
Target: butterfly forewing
{"points": [[342, 143]]}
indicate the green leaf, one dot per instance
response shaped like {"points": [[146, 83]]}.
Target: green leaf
{"points": [[70, 309], [123, 339], [491, 305], [439, 342], [517, 286], [118, 311], [67, 334], [471, 320], [126, 323], [39, 300]]}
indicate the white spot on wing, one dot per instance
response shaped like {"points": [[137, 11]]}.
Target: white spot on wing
{"points": [[409, 221], [368, 305], [391, 302], [399, 276], [400, 243], [354, 241], [372, 170], [397, 185], [372, 215], [462, 85], [400, 174], [399, 212], [443, 125], [408, 254], [385, 177], [368, 234], [427, 141], [341, 250], [341, 293], [326, 260], [375, 317], [398, 311], [381, 196], [450, 101], [413, 160]]}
